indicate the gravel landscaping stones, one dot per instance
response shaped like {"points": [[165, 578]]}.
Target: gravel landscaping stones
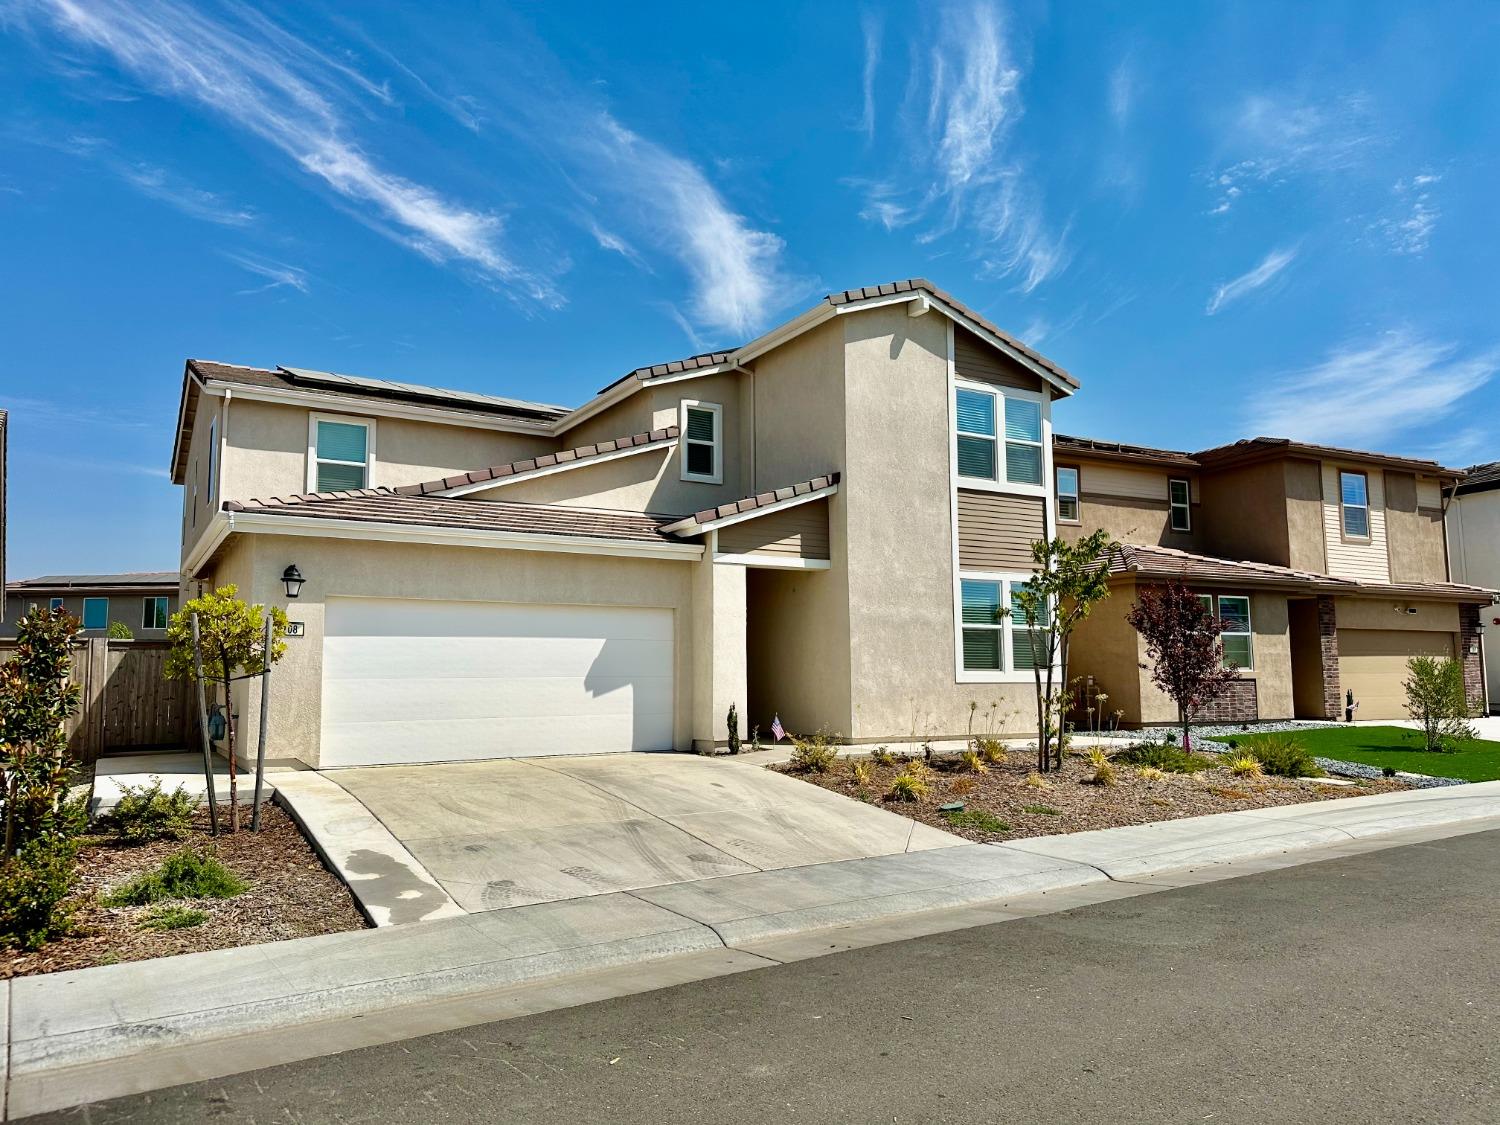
{"points": [[291, 895], [1066, 802]]}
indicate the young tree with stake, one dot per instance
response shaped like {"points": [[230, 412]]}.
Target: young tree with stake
{"points": [[1183, 643], [232, 638]]}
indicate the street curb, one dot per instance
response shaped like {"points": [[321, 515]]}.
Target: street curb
{"points": [[95, 1033]]}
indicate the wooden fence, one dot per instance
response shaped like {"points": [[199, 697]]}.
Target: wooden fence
{"points": [[125, 703]]}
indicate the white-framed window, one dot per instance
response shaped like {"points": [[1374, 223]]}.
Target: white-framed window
{"points": [[1234, 615], [1354, 504], [340, 452], [193, 507], [1067, 494], [999, 436], [994, 633], [213, 461], [702, 442], [96, 613], [1180, 498], [153, 613], [55, 604]]}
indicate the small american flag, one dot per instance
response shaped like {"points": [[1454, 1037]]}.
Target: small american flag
{"points": [[777, 729]]}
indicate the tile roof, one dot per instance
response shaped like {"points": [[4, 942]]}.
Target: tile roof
{"points": [[672, 367], [1167, 562], [385, 505], [752, 503], [1258, 448], [582, 453], [1480, 478], [917, 284], [128, 581], [1119, 451]]}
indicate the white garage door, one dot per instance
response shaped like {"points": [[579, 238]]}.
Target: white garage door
{"points": [[420, 681]]}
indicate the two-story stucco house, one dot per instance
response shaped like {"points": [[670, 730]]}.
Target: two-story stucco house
{"points": [[1327, 567], [140, 601], [819, 525], [1474, 547]]}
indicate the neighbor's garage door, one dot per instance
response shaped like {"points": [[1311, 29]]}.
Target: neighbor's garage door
{"points": [[420, 681], [1372, 663]]}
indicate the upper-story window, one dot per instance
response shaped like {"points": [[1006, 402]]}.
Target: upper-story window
{"points": [[1067, 494], [1354, 500], [703, 442], [981, 415], [213, 459], [153, 613], [340, 453], [1179, 497], [96, 613]]}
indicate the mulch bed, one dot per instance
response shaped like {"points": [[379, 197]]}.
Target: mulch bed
{"points": [[1073, 804], [291, 895]]}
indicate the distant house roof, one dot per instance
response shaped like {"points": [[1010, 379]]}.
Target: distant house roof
{"points": [[85, 583], [1152, 562], [1064, 445], [1480, 478], [1263, 448], [567, 458]]}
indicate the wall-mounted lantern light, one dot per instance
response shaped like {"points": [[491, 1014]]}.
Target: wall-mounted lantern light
{"points": [[293, 579]]}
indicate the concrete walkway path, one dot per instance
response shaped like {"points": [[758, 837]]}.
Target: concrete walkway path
{"points": [[94, 1033]]}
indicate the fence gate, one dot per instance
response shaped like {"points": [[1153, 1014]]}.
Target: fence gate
{"points": [[125, 701]]}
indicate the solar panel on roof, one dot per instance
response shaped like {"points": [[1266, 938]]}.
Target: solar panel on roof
{"points": [[390, 386]]}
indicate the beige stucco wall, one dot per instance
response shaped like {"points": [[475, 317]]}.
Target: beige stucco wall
{"points": [[1414, 534], [641, 482], [1131, 503], [1105, 647], [1245, 513], [1390, 613], [1307, 658], [1303, 483], [1473, 527], [346, 567], [266, 452], [797, 667], [900, 555], [198, 504]]}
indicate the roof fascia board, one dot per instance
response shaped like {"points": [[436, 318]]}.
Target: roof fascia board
{"points": [[1337, 457], [179, 451], [548, 470], [959, 318], [690, 526], [208, 543], [773, 562], [262, 523], [356, 404], [781, 334]]}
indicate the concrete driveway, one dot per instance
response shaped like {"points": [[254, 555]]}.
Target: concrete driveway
{"points": [[512, 832]]}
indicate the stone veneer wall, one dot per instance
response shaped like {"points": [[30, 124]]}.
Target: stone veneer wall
{"points": [[1238, 704], [1468, 652], [1328, 644]]}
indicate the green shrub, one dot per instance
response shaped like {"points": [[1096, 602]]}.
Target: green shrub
{"points": [[119, 631], [971, 761], [882, 756], [816, 754], [1245, 765], [992, 750], [188, 874], [1165, 756], [1282, 755], [33, 887], [977, 819], [147, 812], [1436, 698], [1040, 810], [1104, 773], [174, 917], [860, 771], [909, 787]]}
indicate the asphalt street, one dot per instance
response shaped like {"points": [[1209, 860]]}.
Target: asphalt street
{"points": [[1356, 990]]}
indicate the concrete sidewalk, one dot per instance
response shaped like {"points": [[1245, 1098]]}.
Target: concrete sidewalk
{"points": [[94, 1033]]}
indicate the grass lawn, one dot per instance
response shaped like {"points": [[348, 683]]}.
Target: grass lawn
{"points": [[1475, 759]]}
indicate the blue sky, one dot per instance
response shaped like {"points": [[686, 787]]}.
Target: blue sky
{"points": [[1225, 219]]}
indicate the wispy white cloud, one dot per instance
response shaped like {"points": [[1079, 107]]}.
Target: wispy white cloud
{"points": [[1368, 392], [957, 171], [278, 275], [160, 184], [1258, 278], [870, 24], [253, 78], [1409, 231], [1271, 137], [1123, 82]]}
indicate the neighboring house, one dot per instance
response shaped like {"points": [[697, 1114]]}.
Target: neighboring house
{"points": [[818, 525], [1474, 547], [141, 602], [1328, 568], [4, 440]]}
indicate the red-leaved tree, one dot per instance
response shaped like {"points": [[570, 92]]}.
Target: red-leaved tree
{"points": [[1182, 640]]}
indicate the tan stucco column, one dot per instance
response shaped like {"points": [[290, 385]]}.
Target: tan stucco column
{"points": [[719, 676]]}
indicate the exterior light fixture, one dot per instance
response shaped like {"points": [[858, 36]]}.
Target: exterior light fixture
{"points": [[292, 578]]}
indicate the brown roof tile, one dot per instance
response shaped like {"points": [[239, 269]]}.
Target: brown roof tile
{"points": [[672, 367], [1063, 445], [663, 436], [1260, 448], [751, 503]]}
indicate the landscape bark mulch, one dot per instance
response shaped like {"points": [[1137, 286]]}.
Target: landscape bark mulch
{"points": [[291, 894], [1067, 801]]}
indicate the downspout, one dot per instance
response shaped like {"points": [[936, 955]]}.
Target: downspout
{"points": [[223, 445]]}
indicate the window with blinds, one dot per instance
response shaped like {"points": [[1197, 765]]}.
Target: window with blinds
{"points": [[980, 417], [702, 452], [341, 455]]}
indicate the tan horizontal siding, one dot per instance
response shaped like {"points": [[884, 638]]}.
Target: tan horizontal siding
{"points": [[1429, 493], [974, 359], [995, 531], [1362, 561], [800, 532], [1099, 480]]}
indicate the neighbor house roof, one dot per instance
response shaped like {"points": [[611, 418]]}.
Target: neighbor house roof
{"points": [[78, 583], [530, 466], [1152, 562], [1264, 448], [1480, 478], [1064, 445], [386, 506], [759, 504]]}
